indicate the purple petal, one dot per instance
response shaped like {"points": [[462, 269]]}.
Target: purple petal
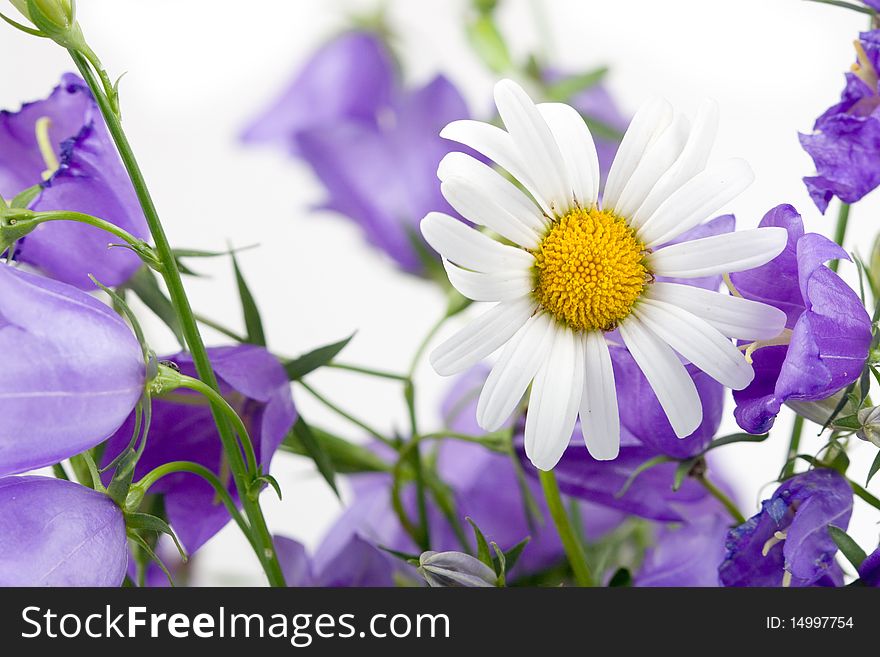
{"points": [[57, 533], [295, 563], [73, 371], [686, 555]]}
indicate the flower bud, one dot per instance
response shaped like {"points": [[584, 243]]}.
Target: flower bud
{"points": [[819, 411], [870, 421], [455, 569], [50, 16]]}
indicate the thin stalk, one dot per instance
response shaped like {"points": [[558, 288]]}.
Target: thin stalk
{"points": [[348, 416], [840, 230], [173, 467], [793, 445], [262, 539], [570, 542], [379, 374], [719, 495], [228, 332]]}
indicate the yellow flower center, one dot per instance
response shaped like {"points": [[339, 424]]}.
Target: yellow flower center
{"points": [[590, 269]]}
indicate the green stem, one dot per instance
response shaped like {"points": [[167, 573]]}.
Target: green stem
{"points": [[380, 374], [570, 542], [138, 245], [262, 542], [348, 416], [238, 424], [840, 231], [719, 495], [793, 446], [59, 472], [197, 469], [210, 323]]}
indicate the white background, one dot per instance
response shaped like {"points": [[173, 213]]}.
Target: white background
{"points": [[197, 70]]}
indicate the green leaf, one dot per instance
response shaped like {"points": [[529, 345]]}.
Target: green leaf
{"points": [[403, 556], [875, 467], [483, 552], [152, 523], [622, 577], [346, 457], [566, 88], [252, 321], [145, 285], [512, 555], [153, 556], [122, 476], [736, 438], [297, 368], [848, 422], [313, 448], [271, 481], [647, 465], [486, 40], [681, 472], [499, 563], [848, 547]]}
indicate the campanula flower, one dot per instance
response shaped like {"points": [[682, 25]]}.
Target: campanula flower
{"points": [[72, 371], [787, 543], [830, 331], [62, 144], [869, 570], [372, 143], [182, 429], [58, 533], [686, 554], [845, 139]]}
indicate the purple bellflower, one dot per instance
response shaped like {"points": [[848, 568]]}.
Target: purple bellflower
{"points": [[869, 571], [182, 429], [73, 371], [846, 138], [686, 554], [373, 144], [787, 543], [62, 144], [830, 331], [58, 533]]}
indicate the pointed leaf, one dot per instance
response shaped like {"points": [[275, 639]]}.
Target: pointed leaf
{"points": [[297, 368], [848, 547], [483, 552], [875, 467], [252, 321], [314, 449]]}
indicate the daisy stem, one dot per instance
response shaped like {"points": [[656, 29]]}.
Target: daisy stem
{"points": [[719, 495], [570, 541], [840, 231], [259, 534], [793, 445]]}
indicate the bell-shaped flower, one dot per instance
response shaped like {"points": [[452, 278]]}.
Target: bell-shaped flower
{"points": [[61, 144], [787, 543], [182, 429], [73, 371], [58, 533], [830, 331]]}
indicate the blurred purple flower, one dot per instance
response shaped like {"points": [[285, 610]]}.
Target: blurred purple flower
{"points": [[57, 533], [89, 178], [787, 542], [869, 571], [354, 563], [830, 329], [73, 371], [846, 138], [373, 144], [255, 384], [686, 554], [597, 104]]}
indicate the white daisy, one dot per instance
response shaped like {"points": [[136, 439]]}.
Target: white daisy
{"points": [[567, 269]]}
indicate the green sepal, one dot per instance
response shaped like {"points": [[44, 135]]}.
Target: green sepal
{"points": [[848, 547], [736, 438], [297, 368], [145, 285], [412, 559], [511, 556], [152, 523], [121, 482], [143, 545], [258, 482], [621, 577], [483, 552]]}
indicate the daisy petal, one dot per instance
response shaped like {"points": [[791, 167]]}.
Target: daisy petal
{"points": [[652, 118], [495, 286], [470, 248], [657, 159], [719, 254], [691, 161], [535, 144], [481, 337], [507, 196], [515, 369], [697, 342], [498, 146], [696, 200], [735, 317], [578, 150], [600, 418], [554, 400], [666, 375]]}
